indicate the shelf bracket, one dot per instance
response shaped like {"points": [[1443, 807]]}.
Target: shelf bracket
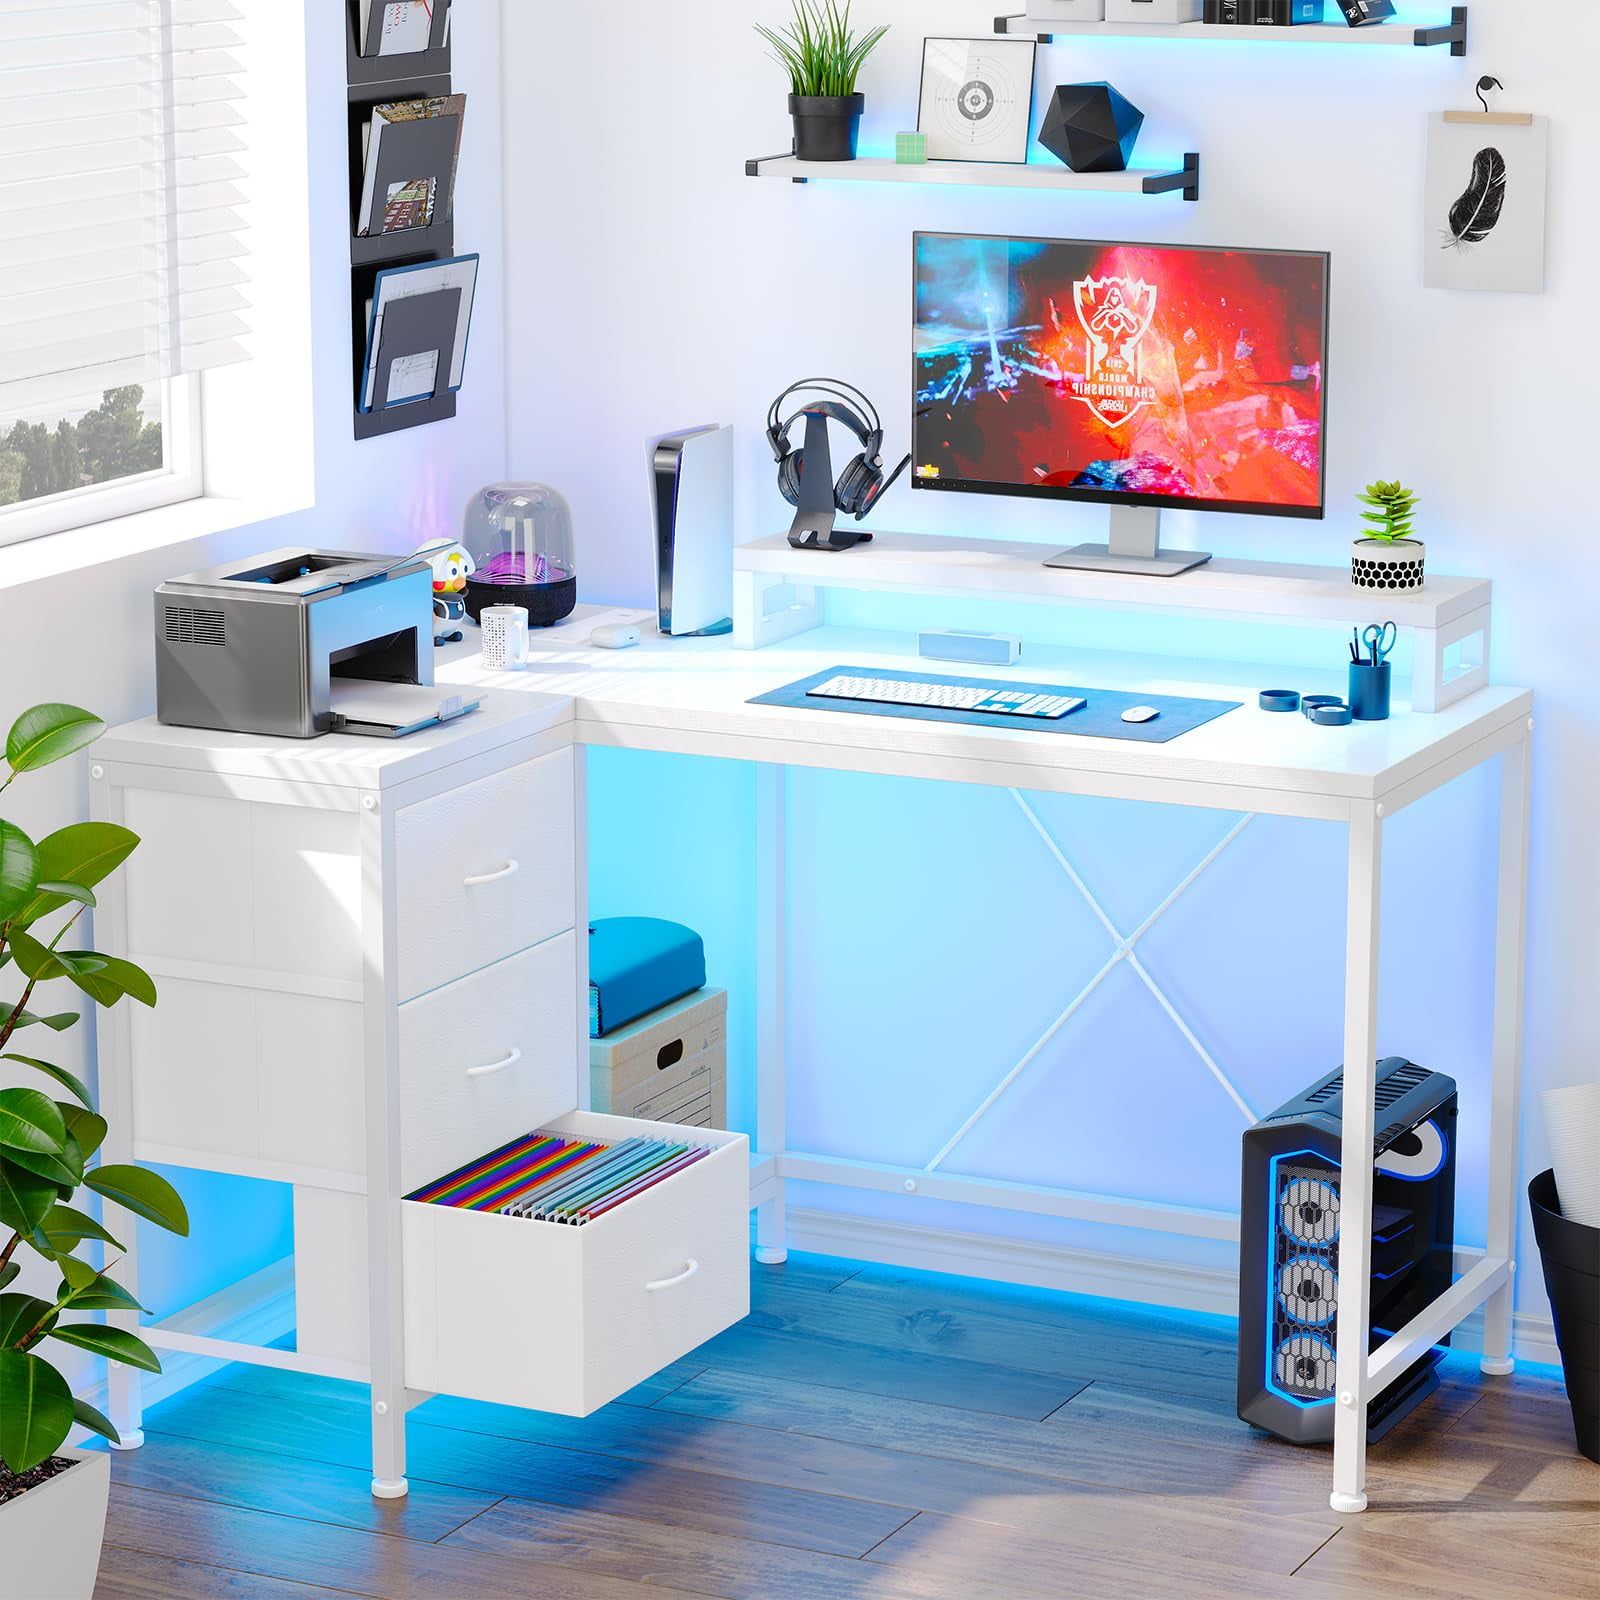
{"points": [[1454, 33], [1188, 180], [752, 169], [1001, 25]]}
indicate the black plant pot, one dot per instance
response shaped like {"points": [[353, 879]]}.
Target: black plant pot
{"points": [[1571, 1256], [827, 127]]}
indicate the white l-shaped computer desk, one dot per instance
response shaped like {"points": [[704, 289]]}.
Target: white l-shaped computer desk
{"points": [[692, 697]]}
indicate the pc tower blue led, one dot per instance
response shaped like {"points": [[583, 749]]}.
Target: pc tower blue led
{"points": [[1289, 1246]]}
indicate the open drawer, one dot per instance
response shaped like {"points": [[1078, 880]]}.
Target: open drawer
{"points": [[563, 1318]]}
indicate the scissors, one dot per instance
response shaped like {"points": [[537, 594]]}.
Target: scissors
{"points": [[1379, 639]]}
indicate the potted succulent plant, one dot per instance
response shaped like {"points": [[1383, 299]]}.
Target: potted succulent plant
{"points": [[1387, 556], [822, 53], [52, 1499]]}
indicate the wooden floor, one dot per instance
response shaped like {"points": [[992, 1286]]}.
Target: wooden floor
{"points": [[867, 1432]]}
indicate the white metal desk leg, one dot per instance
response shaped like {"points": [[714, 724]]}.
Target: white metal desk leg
{"points": [[124, 1385], [381, 1050], [1504, 1118], [1355, 1158], [772, 932]]}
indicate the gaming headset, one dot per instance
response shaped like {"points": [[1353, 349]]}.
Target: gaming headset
{"points": [[862, 484]]}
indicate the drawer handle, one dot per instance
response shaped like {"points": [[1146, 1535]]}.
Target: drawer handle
{"points": [[677, 1278], [513, 1056], [473, 879]]}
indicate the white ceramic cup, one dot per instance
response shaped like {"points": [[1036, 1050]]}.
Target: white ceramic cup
{"points": [[505, 638]]}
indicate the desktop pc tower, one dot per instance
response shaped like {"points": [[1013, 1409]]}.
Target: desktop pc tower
{"points": [[1289, 1246]]}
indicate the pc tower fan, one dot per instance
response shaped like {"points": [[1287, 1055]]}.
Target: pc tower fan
{"points": [[1289, 1246]]}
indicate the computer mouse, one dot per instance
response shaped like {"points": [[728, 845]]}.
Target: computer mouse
{"points": [[1140, 714]]}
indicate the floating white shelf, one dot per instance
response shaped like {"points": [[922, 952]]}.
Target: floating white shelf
{"points": [[1407, 35], [987, 174], [1449, 618]]}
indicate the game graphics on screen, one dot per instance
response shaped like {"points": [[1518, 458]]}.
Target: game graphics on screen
{"points": [[1122, 369]]}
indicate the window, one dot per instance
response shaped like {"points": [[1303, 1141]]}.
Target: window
{"points": [[122, 261]]}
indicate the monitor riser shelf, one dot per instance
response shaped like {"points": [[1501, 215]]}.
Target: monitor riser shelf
{"points": [[1388, 35]]}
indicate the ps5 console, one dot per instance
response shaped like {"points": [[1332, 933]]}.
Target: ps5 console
{"points": [[691, 490]]}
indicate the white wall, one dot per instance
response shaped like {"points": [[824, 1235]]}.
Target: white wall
{"points": [[687, 292], [83, 635]]}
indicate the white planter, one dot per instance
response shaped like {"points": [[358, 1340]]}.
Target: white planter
{"points": [[51, 1535], [1388, 565]]}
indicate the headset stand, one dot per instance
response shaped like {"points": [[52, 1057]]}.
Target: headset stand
{"points": [[815, 525]]}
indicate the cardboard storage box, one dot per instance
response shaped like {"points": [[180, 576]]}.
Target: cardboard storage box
{"points": [[669, 1066]]}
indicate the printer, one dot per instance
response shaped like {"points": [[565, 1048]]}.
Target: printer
{"points": [[301, 642]]}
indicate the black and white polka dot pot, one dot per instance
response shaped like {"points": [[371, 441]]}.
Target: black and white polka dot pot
{"points": [[1387, 564]]}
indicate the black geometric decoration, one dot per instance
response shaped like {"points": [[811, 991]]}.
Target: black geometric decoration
{"points": [[1091, 127]]}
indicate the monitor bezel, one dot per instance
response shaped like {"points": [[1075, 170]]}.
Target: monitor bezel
{"points": [[1115, 497]]}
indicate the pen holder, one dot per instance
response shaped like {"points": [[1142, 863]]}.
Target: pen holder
{"points": [[1369, 691]]}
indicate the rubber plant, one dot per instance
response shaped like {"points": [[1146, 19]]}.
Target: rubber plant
{"points": [[48, 1146]]}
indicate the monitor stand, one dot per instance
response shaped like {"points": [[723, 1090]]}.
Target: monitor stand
{"points": [[1135, 547]]}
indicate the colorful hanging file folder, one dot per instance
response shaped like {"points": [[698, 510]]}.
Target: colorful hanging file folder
{"points": [[548, 1177]]}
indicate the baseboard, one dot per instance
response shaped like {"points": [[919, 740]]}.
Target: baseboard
{"points": [[258, 1309], [1113, 1277]]}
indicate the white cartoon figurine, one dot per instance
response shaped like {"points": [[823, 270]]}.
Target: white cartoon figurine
{"points": [[452, 566]]}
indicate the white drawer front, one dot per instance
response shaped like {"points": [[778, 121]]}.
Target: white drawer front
{"points": [[564, 1319], [487, 1058], [484, 871]]}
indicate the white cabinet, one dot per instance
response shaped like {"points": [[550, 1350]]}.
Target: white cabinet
{"points": [[372, 965]]}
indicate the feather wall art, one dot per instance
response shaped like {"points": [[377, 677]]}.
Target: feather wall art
{"points": [[1484, 202], [1474, 215]]}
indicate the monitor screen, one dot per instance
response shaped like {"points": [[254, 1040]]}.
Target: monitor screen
{"points": [[1133, 374]]}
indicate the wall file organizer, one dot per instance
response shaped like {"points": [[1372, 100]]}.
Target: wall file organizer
{"points": [[427, 146], [416, 331]]}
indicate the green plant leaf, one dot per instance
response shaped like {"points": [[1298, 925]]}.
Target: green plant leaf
{"points": [[63, 1168], [19, 869], [67, 1080], [88, 1128], [37, 961], [105, 979], [25, 1197], [35, 1410], [142, 1192], [19, 1313], [65, 1227], [69, 891], [30, 1121], [84, 1289], [49, 733], [82, 854], [96, 1421], [8, 1272], [115, 1344], [58, 1023]]}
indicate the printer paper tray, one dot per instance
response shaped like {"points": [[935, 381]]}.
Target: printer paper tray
{"points": [[392, 710]]}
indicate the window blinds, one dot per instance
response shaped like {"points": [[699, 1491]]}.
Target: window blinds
{"points": [[122, 256]]}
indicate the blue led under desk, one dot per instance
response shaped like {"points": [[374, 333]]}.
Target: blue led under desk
{"points": [[1100, 718]]}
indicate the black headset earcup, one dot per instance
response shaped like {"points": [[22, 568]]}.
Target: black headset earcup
{"points": [[856, 487], [789, 477]]}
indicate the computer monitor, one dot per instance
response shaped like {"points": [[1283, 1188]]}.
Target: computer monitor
{"points": [[1136, 376]]}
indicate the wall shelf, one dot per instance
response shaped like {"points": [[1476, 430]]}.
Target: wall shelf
{"points": [[1406, 35], [983, 174]]}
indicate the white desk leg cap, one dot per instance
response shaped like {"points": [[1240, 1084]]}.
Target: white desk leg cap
{"points": [[390, 1488], [131, 1439], [771, 1255], [1497, 1366], [1347, 1503]]}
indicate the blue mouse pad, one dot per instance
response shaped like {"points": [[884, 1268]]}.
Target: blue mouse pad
{"points": [[1099, 718]]}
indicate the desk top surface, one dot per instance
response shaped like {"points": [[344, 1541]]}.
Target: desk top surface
{"points": [[691, 696]]}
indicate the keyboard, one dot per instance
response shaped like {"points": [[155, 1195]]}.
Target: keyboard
{"points": [[950, 697]]}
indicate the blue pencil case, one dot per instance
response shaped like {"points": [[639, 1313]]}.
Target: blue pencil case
{"points": [[638, 964]]}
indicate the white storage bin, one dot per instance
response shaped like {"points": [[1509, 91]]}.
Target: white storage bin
{"points": [[564, 1318], [487, 1057], [484, 871]]}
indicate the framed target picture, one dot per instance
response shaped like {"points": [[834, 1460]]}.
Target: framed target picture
{"points": [[977, 98]]}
